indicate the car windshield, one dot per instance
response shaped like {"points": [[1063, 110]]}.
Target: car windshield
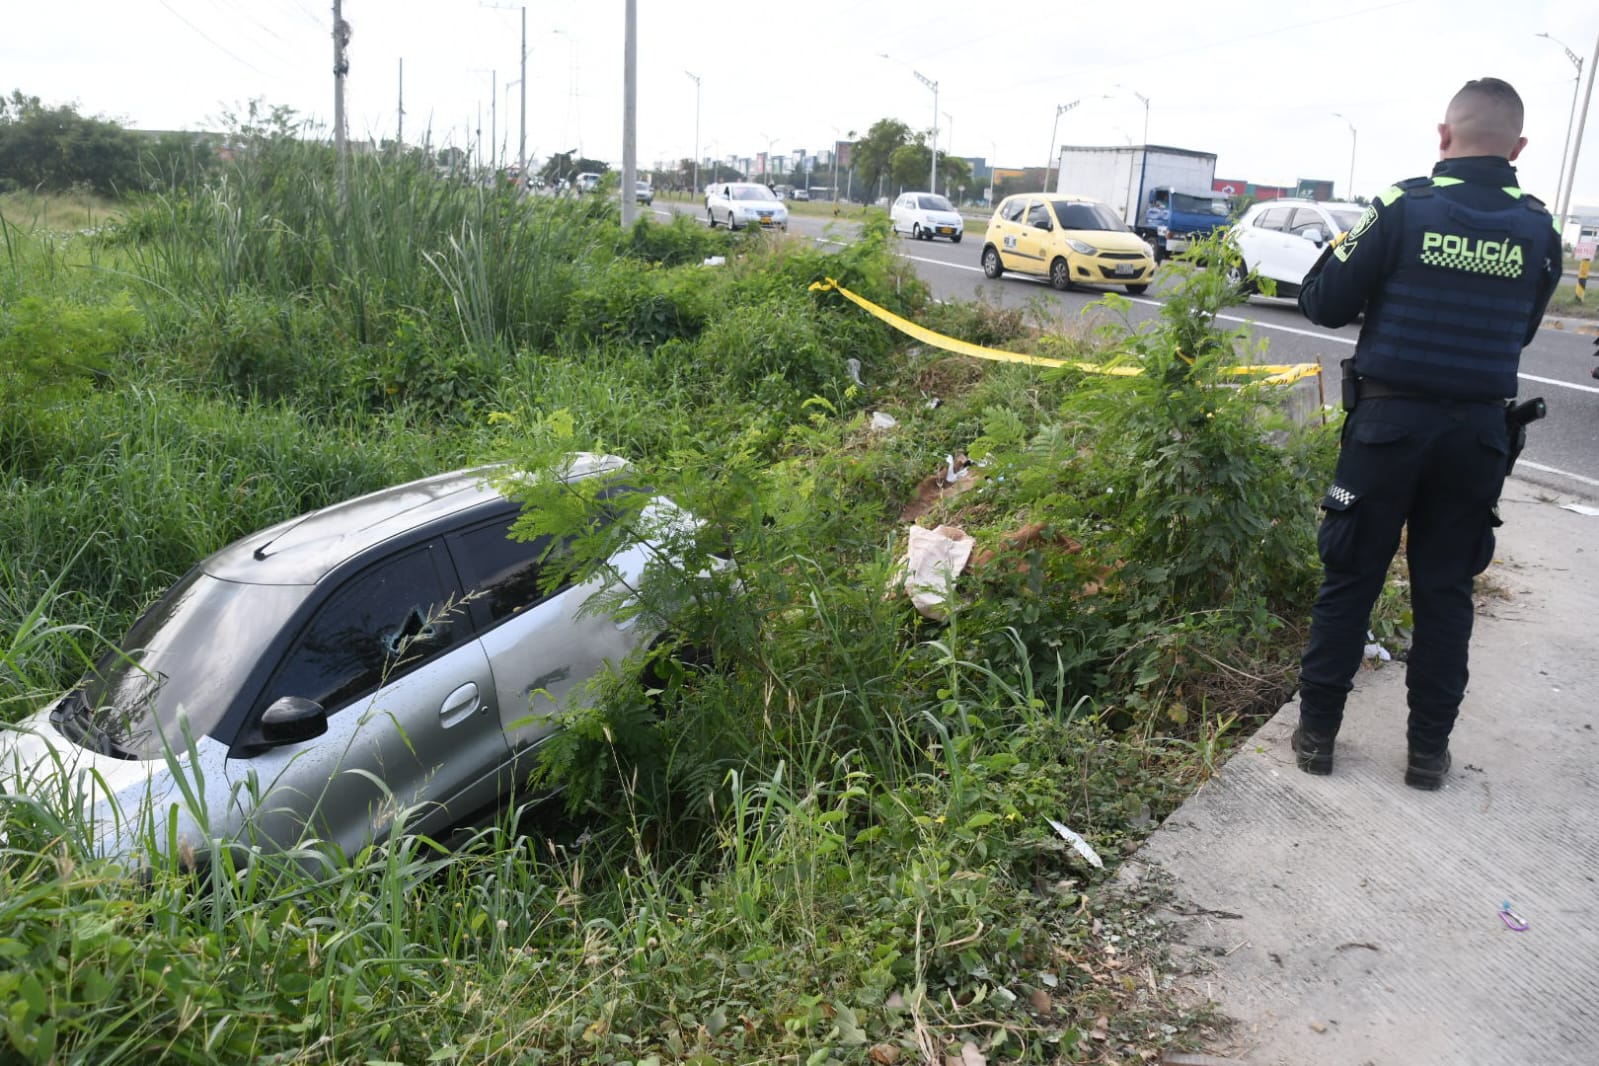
{"points": [[1199, 205], [1086, 214], [185, 660], [1345, 220], [933, 203], [642, 185], [752, 192]]}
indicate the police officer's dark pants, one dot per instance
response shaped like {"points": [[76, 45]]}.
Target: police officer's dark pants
{"points": [[1437, 466]]}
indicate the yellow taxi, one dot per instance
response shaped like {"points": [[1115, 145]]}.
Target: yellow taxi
{"points": [[1071, 240]]}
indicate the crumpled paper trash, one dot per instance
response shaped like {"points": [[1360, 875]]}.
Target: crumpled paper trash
{"points": [[882, 420], [933, 559]]}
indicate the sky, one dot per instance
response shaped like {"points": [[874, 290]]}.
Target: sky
{"points": [[1277, 90]]}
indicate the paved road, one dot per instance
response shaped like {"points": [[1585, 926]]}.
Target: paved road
{"points": [[1562, 451]]}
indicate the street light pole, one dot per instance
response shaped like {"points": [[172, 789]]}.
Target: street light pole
{"points": [[696, 79], [1576, 85], [949, 141], [836, 142], [1050, 161], [993, 146], [1576, 147], [1349, 190], [932, 173]]}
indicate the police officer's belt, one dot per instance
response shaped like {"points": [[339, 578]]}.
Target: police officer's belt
{"points": [[1372, 389]]}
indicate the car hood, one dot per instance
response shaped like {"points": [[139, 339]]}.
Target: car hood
{"points": [[111, 798], [759, 206], [942, 218], [1107, 240]]}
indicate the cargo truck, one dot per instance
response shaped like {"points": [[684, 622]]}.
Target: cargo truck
{"points": [[1164, 194]]}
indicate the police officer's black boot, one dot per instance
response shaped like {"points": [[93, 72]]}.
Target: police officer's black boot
{"points": [[1313, 752], [1427, 769]]}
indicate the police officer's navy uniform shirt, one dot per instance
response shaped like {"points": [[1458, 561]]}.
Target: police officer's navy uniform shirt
{"points": [[1453, 273]]}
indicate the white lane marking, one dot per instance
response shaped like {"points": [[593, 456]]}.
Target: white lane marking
{"points": [[1556, 470], [1561, 384]]}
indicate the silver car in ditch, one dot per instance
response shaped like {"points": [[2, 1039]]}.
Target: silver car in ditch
{"points": [[394, 653]]}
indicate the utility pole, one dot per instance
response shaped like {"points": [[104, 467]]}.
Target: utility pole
{"points": [[695, 191], [399, 130], [341, 67], [494, 120], [521, 132], [629, 114]]}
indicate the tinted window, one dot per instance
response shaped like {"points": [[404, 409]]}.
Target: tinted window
{"points": [[1011, 210], [501, 574], [1198, 205], [1038, 215], [1078, 214], [1274, 218], [379, 625]]}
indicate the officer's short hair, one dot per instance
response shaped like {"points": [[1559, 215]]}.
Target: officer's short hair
{"points": [[1487, 113]]}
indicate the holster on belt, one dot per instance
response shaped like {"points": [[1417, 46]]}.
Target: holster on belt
{"points": [[1350, 384], [1518, 416]]}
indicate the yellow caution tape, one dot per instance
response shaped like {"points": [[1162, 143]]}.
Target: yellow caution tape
{"points": [[1273, 374]]}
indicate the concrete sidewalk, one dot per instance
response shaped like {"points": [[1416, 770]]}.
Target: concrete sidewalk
{"points": [[1352, 921]]}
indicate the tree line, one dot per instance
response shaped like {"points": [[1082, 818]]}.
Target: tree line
{"points": [[57, 149]]}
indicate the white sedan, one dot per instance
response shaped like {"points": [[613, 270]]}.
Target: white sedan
{"points": [[744, 203]]}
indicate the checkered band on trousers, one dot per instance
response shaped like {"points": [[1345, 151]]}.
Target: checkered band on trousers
{"points": [[1341, 494], [1497, 268]]}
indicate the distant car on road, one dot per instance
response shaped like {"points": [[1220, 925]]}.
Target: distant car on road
{"points": [[644, 192], [800, 194], [1282, 239], [586, 182], [925, 215], [1071, 240], [744, 203]]}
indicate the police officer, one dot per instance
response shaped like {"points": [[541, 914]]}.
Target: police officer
{"points": [[1453, 273]]}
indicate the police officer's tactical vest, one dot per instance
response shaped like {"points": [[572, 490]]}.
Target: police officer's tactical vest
{"points": [[1451, 318]]}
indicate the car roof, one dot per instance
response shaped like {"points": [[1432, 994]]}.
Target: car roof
{"points": [[304, 550], [1291, 201]]}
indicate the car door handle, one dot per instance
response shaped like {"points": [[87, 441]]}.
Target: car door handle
{"points": [[459, 705]]}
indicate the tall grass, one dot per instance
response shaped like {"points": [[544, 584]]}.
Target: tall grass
{"points": [[824, 838]]}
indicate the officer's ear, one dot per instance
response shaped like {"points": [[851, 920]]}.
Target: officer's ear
{"points": [[1446, 137], [1521, 142]]}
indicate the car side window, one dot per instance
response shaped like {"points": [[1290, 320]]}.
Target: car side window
{"points": [[1011, 211], [501, 575], [1276, 218], [380, 625], [1038, 215], [1305, 218]]}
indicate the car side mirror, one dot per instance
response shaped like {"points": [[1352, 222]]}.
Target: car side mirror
{"points": [[289, 720], [1315, 236], [1046, 225]]}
